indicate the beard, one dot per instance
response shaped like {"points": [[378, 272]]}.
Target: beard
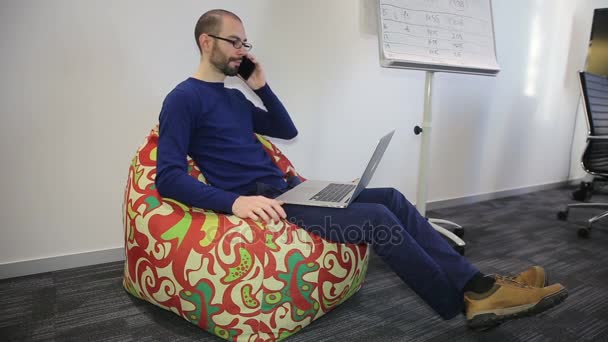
{"points": [[222, 63]]}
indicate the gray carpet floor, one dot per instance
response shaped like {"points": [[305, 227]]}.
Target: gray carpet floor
{"points": [[503, 236]]}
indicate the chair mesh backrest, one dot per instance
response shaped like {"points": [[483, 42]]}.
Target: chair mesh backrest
{"points": [[595, 93], [595, 158]]}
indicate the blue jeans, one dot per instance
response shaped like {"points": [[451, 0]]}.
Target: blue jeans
{"points": [[398, 234]]}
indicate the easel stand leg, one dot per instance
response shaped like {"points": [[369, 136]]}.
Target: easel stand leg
{"points": [[423, 169]]}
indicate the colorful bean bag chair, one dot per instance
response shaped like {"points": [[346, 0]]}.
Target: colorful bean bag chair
{"points": [[239, 279]]}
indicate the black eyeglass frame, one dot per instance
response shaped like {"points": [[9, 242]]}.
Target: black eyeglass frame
{"points": [[236, 43]]}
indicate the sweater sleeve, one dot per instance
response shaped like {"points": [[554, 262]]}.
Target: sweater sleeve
{"points": [[275, 122], [172, 178]]}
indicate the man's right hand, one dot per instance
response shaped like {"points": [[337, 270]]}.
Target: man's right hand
{"points": [[258, 207]]}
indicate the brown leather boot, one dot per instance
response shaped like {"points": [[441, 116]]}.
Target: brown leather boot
{"points": [[534, 276], [508, 300]]}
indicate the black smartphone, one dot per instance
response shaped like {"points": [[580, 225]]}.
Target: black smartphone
{"points": [[246, 68]]}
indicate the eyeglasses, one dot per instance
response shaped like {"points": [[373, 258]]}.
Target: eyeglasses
{"points": [[237, 43]]}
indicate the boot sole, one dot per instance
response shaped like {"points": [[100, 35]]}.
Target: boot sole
{"points": [[486, 321]]}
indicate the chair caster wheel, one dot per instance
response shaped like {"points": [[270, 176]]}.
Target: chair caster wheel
{"points": [[459, 249], [459, 232], [584, 192], [584, 232], [562, 215]]}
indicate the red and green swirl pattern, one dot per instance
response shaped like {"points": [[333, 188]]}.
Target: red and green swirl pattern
{"points": [[236, 278]]}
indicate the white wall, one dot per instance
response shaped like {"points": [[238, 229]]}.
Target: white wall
{"points": [[82, 83]]}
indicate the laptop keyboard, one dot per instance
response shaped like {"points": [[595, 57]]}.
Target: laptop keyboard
{"points": [[333, 192]]}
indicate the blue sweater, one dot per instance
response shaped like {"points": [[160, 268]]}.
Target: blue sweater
{"points": [[215, 126]]}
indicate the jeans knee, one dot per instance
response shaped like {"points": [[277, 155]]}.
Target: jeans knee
{"points": [[377, 212], [397, 199], [382, 228]]}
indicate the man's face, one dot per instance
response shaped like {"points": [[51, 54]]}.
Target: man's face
{"points": [[224, 56]]}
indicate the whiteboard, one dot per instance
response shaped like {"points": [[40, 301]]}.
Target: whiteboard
{"points": [[438, 35]]}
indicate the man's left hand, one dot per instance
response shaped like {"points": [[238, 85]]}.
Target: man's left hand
{"points": [[257, 79]]}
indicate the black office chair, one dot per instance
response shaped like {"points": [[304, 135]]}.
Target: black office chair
{"points": [[594, 89]]}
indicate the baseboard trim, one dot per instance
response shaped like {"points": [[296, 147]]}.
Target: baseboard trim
{"points": [[23, 268], [454, 202]]}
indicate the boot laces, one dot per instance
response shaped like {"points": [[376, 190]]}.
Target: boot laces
{"points": [[510, 280]]}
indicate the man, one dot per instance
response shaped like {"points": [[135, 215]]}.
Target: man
{"points": [[215, 126]]}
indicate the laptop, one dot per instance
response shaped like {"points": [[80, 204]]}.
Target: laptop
{"points": [[335, 194]]}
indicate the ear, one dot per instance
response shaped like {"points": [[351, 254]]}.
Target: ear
{"points": [[204, 41]]}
